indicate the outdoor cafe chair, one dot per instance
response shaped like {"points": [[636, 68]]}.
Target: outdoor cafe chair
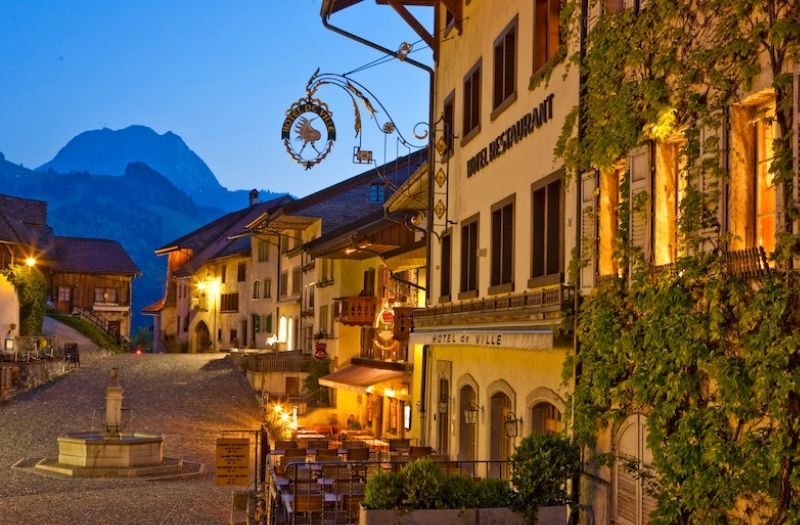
{"points": [[284, 444], [358, 454], [419, 452]]}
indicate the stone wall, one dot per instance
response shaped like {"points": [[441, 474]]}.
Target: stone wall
{"points": [[19, 377]]}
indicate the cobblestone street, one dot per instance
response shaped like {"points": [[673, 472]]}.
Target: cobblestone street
{"points": [[189, 398]]}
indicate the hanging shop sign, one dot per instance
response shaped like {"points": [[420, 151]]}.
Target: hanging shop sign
{"points": [[506, 140], [320, 351], [301, 132]]}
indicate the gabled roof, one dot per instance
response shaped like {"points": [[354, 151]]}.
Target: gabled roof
{"points": [[220, 238], [343, 203], [24, 222], [82, 255]]}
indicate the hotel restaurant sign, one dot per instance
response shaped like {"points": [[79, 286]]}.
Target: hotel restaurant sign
{"points": [[506, 140], [535, 339]]}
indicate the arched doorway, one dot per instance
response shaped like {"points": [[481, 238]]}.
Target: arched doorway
{"points": [[468, 423], [499, 442], [545, 419], [632, 500], [202, 338]]}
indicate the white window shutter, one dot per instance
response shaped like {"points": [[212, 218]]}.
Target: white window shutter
{"points": [[588, 247], [640, 188]]}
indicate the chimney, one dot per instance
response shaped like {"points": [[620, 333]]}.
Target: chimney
{"points": [[253, 197]]}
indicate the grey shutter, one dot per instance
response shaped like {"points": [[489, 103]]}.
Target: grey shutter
{"points": [[640, 202], [588, 218]]}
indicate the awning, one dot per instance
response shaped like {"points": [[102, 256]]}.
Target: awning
{"points": [[357, 378]]}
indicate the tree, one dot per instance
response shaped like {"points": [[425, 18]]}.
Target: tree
{"points": [[32, 294]]}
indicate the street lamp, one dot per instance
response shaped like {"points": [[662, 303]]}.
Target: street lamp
{"points": [[471, 414], [511, 425], [30, 262]]}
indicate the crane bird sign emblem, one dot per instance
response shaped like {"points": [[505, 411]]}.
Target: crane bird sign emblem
{"points": [[301, 136]]}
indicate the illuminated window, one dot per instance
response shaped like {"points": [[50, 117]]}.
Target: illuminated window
{"points": [[608, 220], [472, 101], [282, 329], [546, 36], [751, 215], [670, 182], [105, 295], [505, 65]]}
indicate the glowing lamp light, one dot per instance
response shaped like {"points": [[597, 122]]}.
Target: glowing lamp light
{"points": [[278, 409], [389, 392], [285, 417], [30, 261], [293, 425], [201, 286]]}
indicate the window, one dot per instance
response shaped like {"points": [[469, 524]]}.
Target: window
{"points": [[186, 324], [296, 279], [546, 252], [223, 272], [105, 295], [241, 272], [448, 122], [369, 283], [752, 192], [632, 493], [670, 181], [472, 102], [267, 288], [446, 266], [377, 193], [284, 284], [469, 258], [545, 419], [64, 293], [256, 323], [502, 246], [608, 220], [232, 337], [546, 36], [268, 324], [323, 319], [284, 244], [282, 329], [229, 302], [263, 251], [505, 69], [256, 289]]}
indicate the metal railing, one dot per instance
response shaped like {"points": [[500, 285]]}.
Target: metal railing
{"points": [[339, 485], [102, 324]]}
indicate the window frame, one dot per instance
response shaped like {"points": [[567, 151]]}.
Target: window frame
{"points": [[377, 193], [468, 134], [498, 106], [502, 286], [542, 62], [256, 295], [449, 139], [470, 293], [263, 250], [241, 272], [544, 184]]}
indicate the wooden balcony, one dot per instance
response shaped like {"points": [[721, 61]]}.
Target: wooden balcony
{"points": [[538, 307], [294, 361], [356, 311]]}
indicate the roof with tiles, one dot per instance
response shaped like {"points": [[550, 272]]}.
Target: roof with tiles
{"points": [[213, 241], [24, 221], [83, 255], [349, 200]]}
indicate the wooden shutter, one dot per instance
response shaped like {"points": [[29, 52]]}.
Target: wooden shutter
{"points": [[640, 202], [632, 504], [268, 324], [588, 218]]}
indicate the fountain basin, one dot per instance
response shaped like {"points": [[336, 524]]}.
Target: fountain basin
{"points": [[94, 449]]}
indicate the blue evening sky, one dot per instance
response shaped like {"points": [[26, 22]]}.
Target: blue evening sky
{"points": [[220, 74]]}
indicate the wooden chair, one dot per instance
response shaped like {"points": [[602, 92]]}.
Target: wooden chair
{"points": [[327, 454], [284, 445], [318, 444], [358, 454], [400, 446], [350, 504], [419, 452], [307, 508]]}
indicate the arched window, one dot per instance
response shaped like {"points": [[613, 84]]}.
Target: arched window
{"points": [[545, 419], [256, 289], [282, 329], [632, 502]]}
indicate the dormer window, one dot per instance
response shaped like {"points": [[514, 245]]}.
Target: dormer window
{"points": [[377, 193]]}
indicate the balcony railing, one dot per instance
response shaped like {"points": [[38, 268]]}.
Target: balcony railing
{"points": [[544, 304], [379, 350], [294, 361], [356, 311]]}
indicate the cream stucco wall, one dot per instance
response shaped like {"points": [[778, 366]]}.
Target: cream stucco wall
{"points": [[9, 308]]}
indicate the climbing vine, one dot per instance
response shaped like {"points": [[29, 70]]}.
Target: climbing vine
{"points": [[710, 357], [32, 294]]}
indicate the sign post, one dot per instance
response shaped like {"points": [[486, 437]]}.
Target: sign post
{"points": [[233, 461]]}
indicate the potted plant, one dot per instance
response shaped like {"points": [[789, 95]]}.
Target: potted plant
{"points": [[540, 468]]}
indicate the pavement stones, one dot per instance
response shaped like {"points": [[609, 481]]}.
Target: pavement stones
{"points": [[189, 398]]}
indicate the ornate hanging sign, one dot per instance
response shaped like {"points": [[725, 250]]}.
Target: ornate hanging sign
{"points": [[302, 138]]}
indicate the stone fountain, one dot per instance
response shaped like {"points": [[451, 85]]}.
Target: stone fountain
{"points": [[112, 453]]}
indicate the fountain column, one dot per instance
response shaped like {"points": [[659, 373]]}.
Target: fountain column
{"points": [[113, 404]]}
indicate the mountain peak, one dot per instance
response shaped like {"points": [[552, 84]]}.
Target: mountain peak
{"points": [[108, 152]]}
